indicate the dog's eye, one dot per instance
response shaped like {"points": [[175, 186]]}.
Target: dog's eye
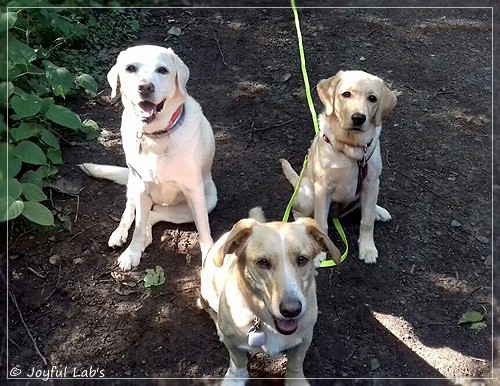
{"points": [[302, 260], [372, 98], [346, 94], [162, 70], [263, 263], [131, 68]]}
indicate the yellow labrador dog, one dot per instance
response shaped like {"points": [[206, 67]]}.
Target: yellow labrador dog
{"points": [[258, 285], [169, 148], [344, 159]]}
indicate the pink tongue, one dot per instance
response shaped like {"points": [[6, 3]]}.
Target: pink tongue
{"points": [[287, 326], [147, 109]]}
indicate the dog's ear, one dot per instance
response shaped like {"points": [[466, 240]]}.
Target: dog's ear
{"points": [[388, 101], [182, 73], [113, 80], [326, 91], [114, 77], [236, 240], [320, 238]]}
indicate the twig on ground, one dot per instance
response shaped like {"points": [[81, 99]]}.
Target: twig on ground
{"points": [[387, 158], [57, 285], [218, 45], [425, 187], [371, 32], [77, 208], [411, 88], [268, 127], [41, 276], [74, 236], [13, 297]]}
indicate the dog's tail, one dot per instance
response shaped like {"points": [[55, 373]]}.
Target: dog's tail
{"points": [[114, 173], [289, 173], [257, 214]]}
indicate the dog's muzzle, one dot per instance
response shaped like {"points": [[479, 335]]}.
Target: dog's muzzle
{"points": [[147, 110], [290, 310], [286, 326]]}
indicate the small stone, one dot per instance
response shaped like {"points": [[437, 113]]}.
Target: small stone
{"points": [[78, 261], [54, 259], [483, 239], [374, 364], [128, 373], [455, 224]]}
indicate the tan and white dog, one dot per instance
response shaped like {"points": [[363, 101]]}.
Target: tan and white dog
{"points": [[344, 163], [169, 148], [258, 285]]}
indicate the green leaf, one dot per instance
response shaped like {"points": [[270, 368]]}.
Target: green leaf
{"points": [[6, 90], [59, 78], [14, 165], [4, 153], [20, 53], [25, 130], [10, 207], [14, 188], [64, 117], [33, 176], [30, 153], [55, 156], [478, 326], [32, 192], [26, 105], [7, 20], [88, 83], [47, 170], [471, 317], [154, 277], [38, 213], [49, 139]]}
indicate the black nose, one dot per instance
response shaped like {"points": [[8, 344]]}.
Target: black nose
{"points": [[146, 88], [358, 119], [290, 309]]}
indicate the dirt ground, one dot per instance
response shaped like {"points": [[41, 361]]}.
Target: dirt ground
{"points": [[396, 319]]}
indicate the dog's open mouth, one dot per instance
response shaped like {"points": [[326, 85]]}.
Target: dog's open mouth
{"points": [[147, 110], [286, 326]]}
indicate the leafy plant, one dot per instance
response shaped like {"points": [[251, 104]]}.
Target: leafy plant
{"points": [[36, 89], [154, 277], [54, 55], [474, 320]]}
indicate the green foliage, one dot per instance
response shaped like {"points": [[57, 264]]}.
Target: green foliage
{"points": [[475, 320], [154, 277], [48, 63]]}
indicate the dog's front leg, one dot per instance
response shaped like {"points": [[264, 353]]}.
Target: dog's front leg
{"points": [[367, 250], [132, 255], [197, 203], [295, 363], [120, 234], [322, 200], [237, 373]]}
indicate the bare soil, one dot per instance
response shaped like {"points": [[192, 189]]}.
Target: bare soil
{"points": [[396, 319]]}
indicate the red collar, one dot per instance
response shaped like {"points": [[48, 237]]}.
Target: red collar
{"points": [[175, 121]]}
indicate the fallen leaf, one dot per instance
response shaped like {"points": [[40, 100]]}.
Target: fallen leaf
{"points": [[471, 317], [154, 277]]}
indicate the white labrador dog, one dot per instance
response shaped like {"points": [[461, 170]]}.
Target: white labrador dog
{"points": [[258, 285], [169, 148], [344, 159]]}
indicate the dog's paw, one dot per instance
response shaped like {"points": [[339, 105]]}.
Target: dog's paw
{"points": [[382, 214], [149, 237], [118, 237], [128, 260], [369, 255]]}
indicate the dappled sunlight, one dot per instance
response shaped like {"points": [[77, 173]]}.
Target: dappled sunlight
{"points": [[449, 284], [404, 332]]}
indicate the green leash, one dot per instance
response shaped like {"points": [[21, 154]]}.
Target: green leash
{"points": [[336, 222]]}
